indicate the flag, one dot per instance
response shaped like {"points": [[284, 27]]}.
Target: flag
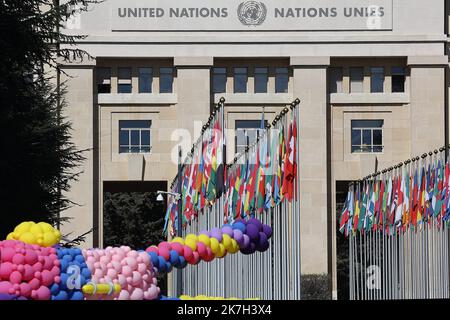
{"points": [[290, 165], [344, 214]]}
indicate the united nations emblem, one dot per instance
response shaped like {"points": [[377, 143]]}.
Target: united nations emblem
{"points": [[252, 13]]}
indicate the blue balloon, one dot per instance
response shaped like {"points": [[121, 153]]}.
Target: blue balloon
{"points": [[182, 263], [154, 258], [54, 289], [240, 226], [67, 258], [79, 258], [63, 265], [85, 272], [168, 266], [62, 295], [77, 295], [63, 283], [161, 264], [173, 257]]}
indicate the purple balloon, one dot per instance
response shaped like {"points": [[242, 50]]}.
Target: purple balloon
{"points": [[252, 232], [205, 232], [267, 230], [255, 222], [245, 242], [249, 250], [261, 247], [238, 236], [216, 233], [262, 238], [227, 230]]}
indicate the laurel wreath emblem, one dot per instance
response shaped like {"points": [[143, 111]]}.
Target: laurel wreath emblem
{"points": [[252, 13]]}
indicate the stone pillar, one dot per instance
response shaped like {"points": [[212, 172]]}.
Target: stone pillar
{"points": [[427, 102], [194, 92], [81, 113], [310, 86]]}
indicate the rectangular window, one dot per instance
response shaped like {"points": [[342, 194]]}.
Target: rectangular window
{"points": [[398, 79], [103, 80], [367, 136], [356, 80], [124, 80], [336, 76], [165, 80], [246, 133], [240, 80], [281, 80], [377, 79], [220, 80], [261, 79], [145, 80], [134, 136]]}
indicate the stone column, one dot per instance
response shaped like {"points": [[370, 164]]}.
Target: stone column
{"points": [[194, 92], [427, 102], [80, 111], [310, 86]]}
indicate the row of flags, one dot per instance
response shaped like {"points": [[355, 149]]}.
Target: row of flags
{"points": [[261, 179], [408, 198]]}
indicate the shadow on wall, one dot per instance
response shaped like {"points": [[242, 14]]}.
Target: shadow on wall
{"points": [[316, 287]]}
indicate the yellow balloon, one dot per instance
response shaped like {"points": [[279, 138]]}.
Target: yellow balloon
{"points": [[23, 227], [28, 237], [49, 239], [234, 247], [191, 244], [226, 241], [205, 240], [36, 229], [178, 240], [222, 252], [214, 246], [192, 236], [45, 227], [10, 236]]}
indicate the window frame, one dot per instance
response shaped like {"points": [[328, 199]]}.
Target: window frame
{"points": [[129, 130], [353, 81], [361, 130], [246, 129], [124, 82], [102, 79]]}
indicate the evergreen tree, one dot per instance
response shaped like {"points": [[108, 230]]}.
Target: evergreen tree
{"points": [[38, 161]]}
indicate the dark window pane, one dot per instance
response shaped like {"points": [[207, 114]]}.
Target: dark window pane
{"points": [[377, 149], [367, 137], [124, 88], [240, 137], [356, 79], [124, 150], [336, 76], [134, 149], [145, 149], [261, 79], [367, 123], [281, 80], [141, 124], [377, 79], [134, 137], [398, 79], [220, 80], [145, 80], [356, 137], [145, 137], [166, 80], [103, 88], [124, 137], [240, 80], [356, 149], [377, 137]]}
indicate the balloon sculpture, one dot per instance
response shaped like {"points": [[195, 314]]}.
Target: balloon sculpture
{"points": [[34, 266]]}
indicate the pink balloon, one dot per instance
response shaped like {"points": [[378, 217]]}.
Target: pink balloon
{"points": [[47, 278], [28, 272], [15, 277], [141, 268], [124, 295], [152, 249], [6, 268], [43, 293], [35, 284], [126, 271], [201, 249], [187, 253], [48, 263], [37, 266], [112, 273], [25, 289], [137, 278], [137, 294], [131, 262], [117, 266], [122, 280], [98, 273], [5, 286], [7, 254], [178, 247], [18, 259], [165, 244], [164, 252], [31, 257], [196, 257]]}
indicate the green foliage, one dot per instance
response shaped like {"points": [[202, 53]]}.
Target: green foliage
{"points": [[315, 287], [134, 219], [38, 161]]}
